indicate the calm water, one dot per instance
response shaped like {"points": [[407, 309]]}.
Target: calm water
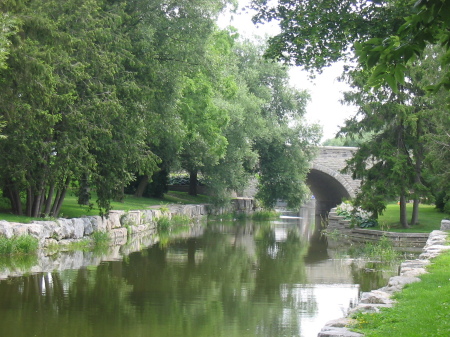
{"points": [[253, 279]]}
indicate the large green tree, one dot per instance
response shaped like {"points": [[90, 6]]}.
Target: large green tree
{"points": [[393, 161], [283, 142]]}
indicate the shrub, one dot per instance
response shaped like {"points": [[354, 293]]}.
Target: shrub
{"points": [[356, 215]]}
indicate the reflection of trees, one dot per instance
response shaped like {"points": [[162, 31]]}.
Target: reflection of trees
{"points": [[217, 285]]}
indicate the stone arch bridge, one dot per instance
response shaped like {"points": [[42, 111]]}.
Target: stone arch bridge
{"points": [[328, 185]]}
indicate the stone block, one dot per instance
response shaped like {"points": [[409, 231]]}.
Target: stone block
{"points": [[78, 228], [445, 225], [337, 332], [376, 297], [20, 229], [88, 227], [64, 229], [113, 219], [6, 229]]}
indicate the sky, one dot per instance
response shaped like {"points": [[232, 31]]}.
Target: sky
{"points": [[325, 91]]}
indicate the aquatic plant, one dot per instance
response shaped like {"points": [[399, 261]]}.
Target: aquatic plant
{"points": [[100, 238], [163, 223], [23, 244], [264, 215]]}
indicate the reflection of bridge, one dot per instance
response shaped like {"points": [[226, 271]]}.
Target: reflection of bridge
{"points": [[328, 185]]}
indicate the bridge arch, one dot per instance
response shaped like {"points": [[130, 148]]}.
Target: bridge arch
{"points": [[328, 185]]}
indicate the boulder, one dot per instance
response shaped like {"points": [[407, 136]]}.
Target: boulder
{"points": [[376, 297], [445, 225]]}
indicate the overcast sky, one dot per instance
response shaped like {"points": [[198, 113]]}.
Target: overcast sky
{"points": [[324, 107]]}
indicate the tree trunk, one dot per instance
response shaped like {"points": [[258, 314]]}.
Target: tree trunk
{"points": [[403, 213], [60, 198], [418, 157], [48, 201], [415, 212], [84, 194], [29, 201], [12, 193], [193, 183], [142, 186]]}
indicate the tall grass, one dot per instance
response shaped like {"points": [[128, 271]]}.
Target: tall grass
{"points": [[264, 215], [100, 238], [24, 244]]}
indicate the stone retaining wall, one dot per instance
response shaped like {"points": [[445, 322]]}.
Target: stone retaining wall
{"points": [[409, 271], [340, 224], [119, 224]]}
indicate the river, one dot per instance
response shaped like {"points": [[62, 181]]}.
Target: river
{"points": [[228, 278]]}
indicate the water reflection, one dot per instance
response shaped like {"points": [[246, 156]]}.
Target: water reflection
{"points": [[248, 279]]}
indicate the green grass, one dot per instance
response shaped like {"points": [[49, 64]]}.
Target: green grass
{"points": [[71, 209], [422, 309], [429, 219]]}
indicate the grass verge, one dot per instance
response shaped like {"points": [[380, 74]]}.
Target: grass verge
{"points": [[423, 308], [429, 219]]}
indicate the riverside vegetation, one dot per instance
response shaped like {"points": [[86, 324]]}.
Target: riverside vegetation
{"points": [[422, 308]]}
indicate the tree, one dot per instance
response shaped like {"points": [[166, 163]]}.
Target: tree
{"points": [[66, 99], [426, 23], [392, 162], [315, 34], [284, 144]]}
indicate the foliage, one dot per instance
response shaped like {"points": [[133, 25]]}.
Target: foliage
{"points": [[315, 34], [382, 250], [388, 55], [101, 238], [163, 223], [356, 215], [395, 161], [23, 244], [264, 215]]}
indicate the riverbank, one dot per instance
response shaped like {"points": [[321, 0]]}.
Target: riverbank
{"points": [[118, 224], [371, 303]]}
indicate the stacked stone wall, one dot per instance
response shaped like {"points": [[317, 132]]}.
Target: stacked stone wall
{"points": [[119, 224]]}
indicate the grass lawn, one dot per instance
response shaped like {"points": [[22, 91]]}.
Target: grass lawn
{"points": [[429, 219], [71, 209], [422, 309]]}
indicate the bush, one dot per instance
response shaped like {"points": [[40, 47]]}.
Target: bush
{"points": [[356, 215], [24, 244]]}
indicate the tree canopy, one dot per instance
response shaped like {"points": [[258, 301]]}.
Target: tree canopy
{"points": [[393, 68], [99, 95]]}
